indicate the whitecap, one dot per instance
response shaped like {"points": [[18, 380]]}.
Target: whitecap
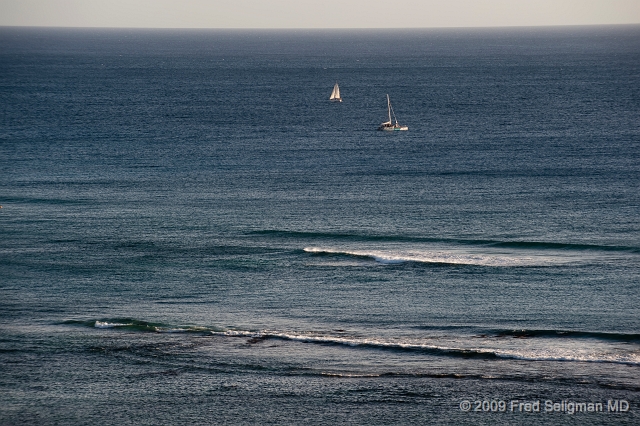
{"points": [[102, 324]]}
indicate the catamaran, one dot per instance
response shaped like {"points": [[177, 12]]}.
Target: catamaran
{"points": [[389, 125], [335, 95]]}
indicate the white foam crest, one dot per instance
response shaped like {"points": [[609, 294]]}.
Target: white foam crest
{"points": [[453, 257], [350, 375], [236, 333], [102, 324], [306, 338], [185, 329], [570, 356], [347, 341]]}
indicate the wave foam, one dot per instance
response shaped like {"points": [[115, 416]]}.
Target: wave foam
{"points": [[450, 257], [102, 324], [574, 352]]}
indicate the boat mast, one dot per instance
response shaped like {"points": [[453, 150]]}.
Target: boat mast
{"points": [[389, 107], [394, 116]]}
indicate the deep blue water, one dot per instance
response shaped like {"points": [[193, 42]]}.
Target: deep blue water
{"points": [[191, 233]]}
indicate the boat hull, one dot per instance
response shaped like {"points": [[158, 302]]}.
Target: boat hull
{"points": [[393, 128]]}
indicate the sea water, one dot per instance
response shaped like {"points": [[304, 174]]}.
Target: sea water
{"points": [[191, 233]]}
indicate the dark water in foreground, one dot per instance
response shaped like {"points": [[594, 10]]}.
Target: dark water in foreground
{"points": [[191, 233]]}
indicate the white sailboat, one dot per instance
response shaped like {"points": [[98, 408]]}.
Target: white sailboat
{"points": [[389, 126], [335, 95]]}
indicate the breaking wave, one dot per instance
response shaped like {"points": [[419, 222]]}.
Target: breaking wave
{"points": [[527, 345], [515, 244], [446, 257], [540, 353]]}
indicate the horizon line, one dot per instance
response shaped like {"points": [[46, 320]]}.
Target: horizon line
{"points": [[320, 28]]}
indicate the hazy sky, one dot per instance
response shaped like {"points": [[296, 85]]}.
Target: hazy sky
{"points": [[315, 13]]}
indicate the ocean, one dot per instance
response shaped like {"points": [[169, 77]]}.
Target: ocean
{"points": [[191, 233]]}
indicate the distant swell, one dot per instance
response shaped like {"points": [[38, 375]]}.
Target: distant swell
{"points": [[619, 337], [559, 246]]}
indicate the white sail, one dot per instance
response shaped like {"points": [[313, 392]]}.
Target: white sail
{"points": [[335, 95]]}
